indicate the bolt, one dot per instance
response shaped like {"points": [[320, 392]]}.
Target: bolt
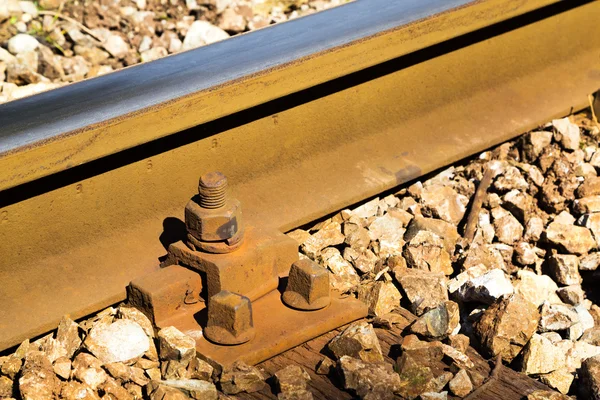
{"points": [[213, 219], [307, 287], [213, 190], [229, 319]]}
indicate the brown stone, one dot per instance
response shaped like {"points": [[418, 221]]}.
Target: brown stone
{"points": [[380, 297], [443, 202], [292, 383], [369, 380], [571, 238], [6, 387], [564, 268], [590, 378], [125, 373], [328, 235], [423, 289], [443, 229], [157, 391], [87, 369], [459, 341], [415, 378], [73, 390], [506, 326], [546, 395], [358, 340], [200, 369], [540, 356], [507, 227], [587, 205], [195, 389], [176, 346], [242, 378], [11, 367], [438, 322], [62, 367], [590, 187], [461, 384], [113, 389], [37, 380], [426, 251], [67, 335]]}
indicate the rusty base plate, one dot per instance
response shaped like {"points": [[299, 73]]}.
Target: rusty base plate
{"points": [[278, 328]]}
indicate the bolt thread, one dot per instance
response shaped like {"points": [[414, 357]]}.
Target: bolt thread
{"points": [[212, 190]]}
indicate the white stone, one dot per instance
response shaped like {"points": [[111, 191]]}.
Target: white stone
{"points": [[116, 46], [117, 342], [486, 288], [28, 7], [201, 33], [21, 43], [145, 44], [585, 318], [153, 54]]}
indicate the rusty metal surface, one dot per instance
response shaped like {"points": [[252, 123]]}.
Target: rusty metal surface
{"points": [[86, 232], [276, 327], [252, 270]]}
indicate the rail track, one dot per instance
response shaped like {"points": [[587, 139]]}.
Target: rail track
{"points": [[305, 118]]}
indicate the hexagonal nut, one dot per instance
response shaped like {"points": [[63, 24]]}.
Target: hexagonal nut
{"points": [[307, 287], [214, 224], [229, 319]]}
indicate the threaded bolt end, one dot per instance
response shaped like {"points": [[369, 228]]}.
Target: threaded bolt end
{"points": [[213, 190]]}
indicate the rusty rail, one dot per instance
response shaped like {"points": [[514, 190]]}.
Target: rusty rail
{"points": [[94, 176]]}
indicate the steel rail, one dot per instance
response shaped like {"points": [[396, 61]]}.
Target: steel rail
{"points": [[305, 118]]}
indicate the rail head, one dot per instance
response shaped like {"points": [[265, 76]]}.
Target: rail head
{"points": [[57, 130]]}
